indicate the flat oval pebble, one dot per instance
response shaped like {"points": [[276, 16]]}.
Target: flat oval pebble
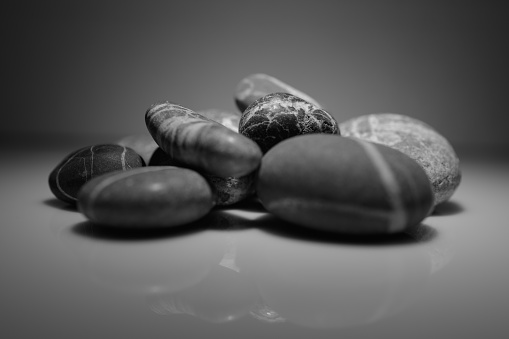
{"points": [[226, 191], [226, 118], [279, 116], [416, 139], [201, 143], [143, 144], [149, 197], [334, 183], [255, 86], [89, 162]]}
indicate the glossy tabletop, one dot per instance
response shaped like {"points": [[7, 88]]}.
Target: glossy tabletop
{"points": [[241, 273]]}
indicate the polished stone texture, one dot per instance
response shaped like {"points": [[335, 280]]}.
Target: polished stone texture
{"points": [[89, 162], [201, 143], [149, 197], [255, 86], [143, 144], [225, 118], [279, 116], [340, 184], [416, 139], [226, 190]]}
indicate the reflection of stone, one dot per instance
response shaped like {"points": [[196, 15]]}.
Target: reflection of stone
{"points": [[223, 296], [335, 285], [146, 263], [264, 313]]}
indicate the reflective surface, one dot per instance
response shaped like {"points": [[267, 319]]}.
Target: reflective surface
{"points": [[241, 272]]}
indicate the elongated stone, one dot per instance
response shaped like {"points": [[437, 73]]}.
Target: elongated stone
{"points": [[340, 184], [149, 197], [255, 86], [279, 116], [89, 162], [416, 139], [226, 191], [225, 118], [143, 144], [201, 143]]}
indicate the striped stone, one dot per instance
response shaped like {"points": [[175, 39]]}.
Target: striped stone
{"points": [[201, 143], [225, 118], [255, 86], [89, 162], [226, 190], [416, 139], [341, 184], [148, 197], [279, 116]]}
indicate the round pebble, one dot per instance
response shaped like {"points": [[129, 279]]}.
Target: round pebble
{"points": [[340, 184], [226, 191], [416, 139], [201, 143], [149, 197], [143, 144], [279, 116], [89, 162], [226, 118], [255, 86]]}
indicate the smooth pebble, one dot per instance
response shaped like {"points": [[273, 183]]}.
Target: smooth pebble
{"points": [[416, 139], [149, 197], [346, 185], [201, 143], [89, 162]]}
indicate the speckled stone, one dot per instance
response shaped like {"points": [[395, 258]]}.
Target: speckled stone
{"points": [[225, 118], [226, 191], [255, 86], [149, 197], [346, 185], [201, 143], [143, 144], [279, 116], [416, 139], [89, 162]]}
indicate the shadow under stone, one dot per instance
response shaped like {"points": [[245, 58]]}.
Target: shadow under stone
{"points": [[447, 208], [417, 234]]}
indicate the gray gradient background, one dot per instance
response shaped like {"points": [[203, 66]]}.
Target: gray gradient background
{"points": [[92, 68]]}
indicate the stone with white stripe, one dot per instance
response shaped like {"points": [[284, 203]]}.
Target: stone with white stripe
{"points": [[201, 143], [148, 197], [346, 185], [416, 139], [89, 162]]}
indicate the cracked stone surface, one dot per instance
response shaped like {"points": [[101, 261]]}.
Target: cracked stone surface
{"points": [[417, 140], [279, 116], [86, 163]]}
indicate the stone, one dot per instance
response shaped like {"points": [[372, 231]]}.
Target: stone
{"points": [[279, 116], [416, 139], [89, 162], [143, 144], [345, 185], [226, 190], [255, 86], [225, 118], [200, 143], [148, 197]]}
